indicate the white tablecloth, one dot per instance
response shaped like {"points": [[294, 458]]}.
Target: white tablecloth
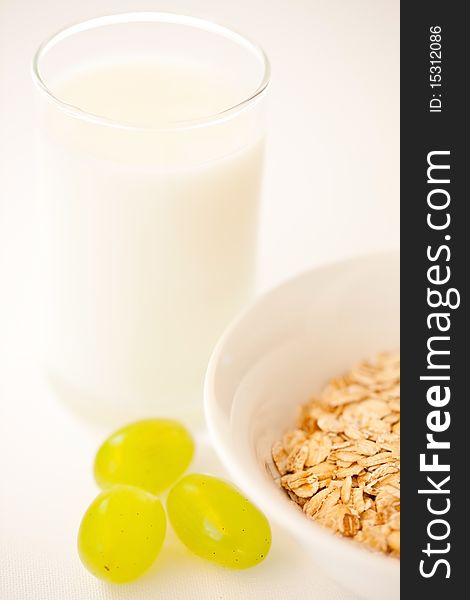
{"points": [[46, 484], [331, 190]]}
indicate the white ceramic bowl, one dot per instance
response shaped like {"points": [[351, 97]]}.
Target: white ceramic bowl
{"points": [[274, 357]]}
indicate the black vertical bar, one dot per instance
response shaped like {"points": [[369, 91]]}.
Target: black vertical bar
{"points": [[434, 119]]}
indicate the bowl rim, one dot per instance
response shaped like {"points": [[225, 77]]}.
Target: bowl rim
{"points": [[291, 521]]}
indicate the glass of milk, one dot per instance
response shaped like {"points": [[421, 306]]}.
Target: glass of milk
{"points": [[150, 152]]}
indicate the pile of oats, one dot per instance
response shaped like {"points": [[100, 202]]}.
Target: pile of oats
{"points": [[341, 465]]}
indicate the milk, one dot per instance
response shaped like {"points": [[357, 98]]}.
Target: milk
{"points": [[149, 234]]}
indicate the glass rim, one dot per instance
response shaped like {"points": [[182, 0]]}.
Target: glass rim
{"points": [[150, 17]]}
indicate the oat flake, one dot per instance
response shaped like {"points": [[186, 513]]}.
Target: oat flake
{"points": [[341, 463]]}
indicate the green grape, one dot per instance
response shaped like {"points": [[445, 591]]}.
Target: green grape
{"points": [[121, 534], [217, 523], [148, 454]]}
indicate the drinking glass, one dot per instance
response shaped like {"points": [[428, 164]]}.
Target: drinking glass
{"points": [[150, 152]]}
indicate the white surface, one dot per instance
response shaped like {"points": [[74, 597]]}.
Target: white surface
{"points": [[331, 190], [46, 484], [272, 359]]}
